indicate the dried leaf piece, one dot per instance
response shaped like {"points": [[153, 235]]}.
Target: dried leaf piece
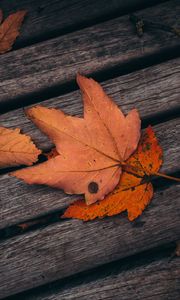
{"points": [[16, 148], [91, 149], [133, 192], [9, 30]]}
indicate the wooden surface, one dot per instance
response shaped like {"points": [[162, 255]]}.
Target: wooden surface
{"points": [[140, 282], [110, 258], [47, 19], [94, 49]]}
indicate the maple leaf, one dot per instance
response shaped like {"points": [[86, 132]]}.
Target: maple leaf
{"points": [[91, 149], [133, 193], [9, 30], [16, 148]]}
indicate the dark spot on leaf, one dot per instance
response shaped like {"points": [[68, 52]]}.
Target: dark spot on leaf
{"points": [[93, 187], [133, 188]]}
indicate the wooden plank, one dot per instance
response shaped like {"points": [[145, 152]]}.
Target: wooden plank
{"points": [[47, 18], [20, 201], [70, 247], [50, 64], [157, 280], [153, 90]]}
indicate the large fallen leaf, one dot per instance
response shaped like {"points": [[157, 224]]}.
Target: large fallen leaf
{"points": [[134, 190], [9, 30], [91, 149], [16, 148]]}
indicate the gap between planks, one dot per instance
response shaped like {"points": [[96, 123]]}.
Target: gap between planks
{"points": [[158, 280], [125, 279], [31, 71], [67, 248]]}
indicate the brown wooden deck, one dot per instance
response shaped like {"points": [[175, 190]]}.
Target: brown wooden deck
{"points": [[102, 259]]}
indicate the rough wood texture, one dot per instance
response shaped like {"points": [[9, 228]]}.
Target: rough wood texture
{"points": [[46, 18], [69, 247], [157, 280], [55, 62], [19, 201], [154, 90]]}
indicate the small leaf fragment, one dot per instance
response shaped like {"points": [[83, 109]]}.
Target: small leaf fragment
{"points": [[9, 30], [16, 148]]}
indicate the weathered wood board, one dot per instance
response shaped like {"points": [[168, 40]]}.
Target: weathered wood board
{"points": [[69, 247], [52, 63], [157, 280], [46, 18]]}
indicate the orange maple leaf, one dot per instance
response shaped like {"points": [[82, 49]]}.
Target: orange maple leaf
{"points": [[133, 192], [91, 150], [9, 29], [16, 148]]}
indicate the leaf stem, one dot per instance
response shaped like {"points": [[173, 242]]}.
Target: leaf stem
{"points": [[166, 176], [154, 173]]}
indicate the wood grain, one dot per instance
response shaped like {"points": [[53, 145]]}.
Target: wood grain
{"points": [[153, 91], [70, 247], [157, 280], [46, 18], [52, 63], [19, 201]]}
